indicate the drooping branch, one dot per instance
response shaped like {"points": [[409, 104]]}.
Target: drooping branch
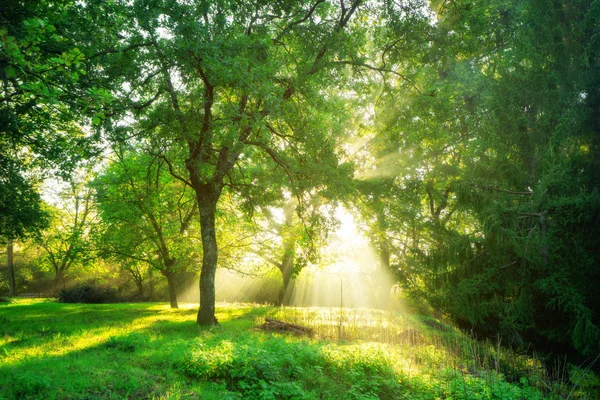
{"points": [[172, 170]]}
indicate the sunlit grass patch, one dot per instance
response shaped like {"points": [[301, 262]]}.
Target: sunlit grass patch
{"points": [[59, 351], [430, 351]]}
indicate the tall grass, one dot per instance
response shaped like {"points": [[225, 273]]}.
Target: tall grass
{"points": [[426, 346]]}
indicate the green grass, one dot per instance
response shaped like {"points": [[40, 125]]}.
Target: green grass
{"points": [[70, 351]]}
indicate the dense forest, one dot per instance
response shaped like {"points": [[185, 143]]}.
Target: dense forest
{"points": [[146, 145]]}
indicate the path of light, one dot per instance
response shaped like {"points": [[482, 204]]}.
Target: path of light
{"points": [[349, 276]]}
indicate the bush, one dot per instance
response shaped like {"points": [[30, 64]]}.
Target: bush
{"points": [[88, 294]]}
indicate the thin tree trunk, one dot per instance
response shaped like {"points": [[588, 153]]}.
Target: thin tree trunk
{"points": [[59, 280], [11, 269], [206, 313], [140, 287], [383, 245], [384, 255], [172, 291], [286, 269], [151, 283]]}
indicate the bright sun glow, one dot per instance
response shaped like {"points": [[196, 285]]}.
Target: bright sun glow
{"points": [[349, 275]]}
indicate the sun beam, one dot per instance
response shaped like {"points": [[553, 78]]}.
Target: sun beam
{"points": [[349, 274]]}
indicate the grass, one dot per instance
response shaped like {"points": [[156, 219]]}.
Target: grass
{"points": [[70, 351]]}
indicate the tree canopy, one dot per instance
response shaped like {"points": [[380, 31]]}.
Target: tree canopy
{"points": [[463, 135]]}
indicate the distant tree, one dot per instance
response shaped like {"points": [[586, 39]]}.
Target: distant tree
{"points": [[66, 242], [147, 215], [289, 238]]}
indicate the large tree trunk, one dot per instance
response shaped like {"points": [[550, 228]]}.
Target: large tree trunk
{"points": [[171, 282], [289, 253], [206, 313], [11, 269]]}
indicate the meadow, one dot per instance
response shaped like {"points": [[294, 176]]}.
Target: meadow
{"points": [[50, 350]]}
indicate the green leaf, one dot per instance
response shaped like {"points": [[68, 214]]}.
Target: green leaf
{"points": [[10, 72]]}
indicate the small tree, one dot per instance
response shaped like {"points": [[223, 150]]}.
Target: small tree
{"points": [[66, 242], [146, 216]]}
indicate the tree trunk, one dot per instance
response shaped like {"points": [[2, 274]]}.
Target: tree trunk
{"points": [[59, 280], [206, 313], [140, 288], [289, 252], [150, 283], [286, 269], [172, 290], [382, 241], [11, 269], [384, 255]]}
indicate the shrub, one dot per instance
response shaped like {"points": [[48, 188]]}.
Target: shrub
{"points": [[88, 294]]}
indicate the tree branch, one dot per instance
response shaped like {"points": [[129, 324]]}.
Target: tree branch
{"points": [[123, 50], [298, 22], [379, 69]]}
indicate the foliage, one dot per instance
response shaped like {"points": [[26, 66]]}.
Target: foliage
{"points": [[88, 294], [40, 72], [480, 188], [20, 206], [250, 86], [473, 127], [66, 243], [146, 217]]}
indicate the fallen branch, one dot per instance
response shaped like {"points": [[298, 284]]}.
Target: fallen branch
{"points": [[275, 325]]}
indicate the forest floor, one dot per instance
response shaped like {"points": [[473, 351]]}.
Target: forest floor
{"points": [[50, 350]]}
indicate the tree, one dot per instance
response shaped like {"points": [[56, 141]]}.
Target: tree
{"points": [[289, 237], [20, 215], [495, 146], [147, 215], [232, 85], [66, 243], [41, 87]]}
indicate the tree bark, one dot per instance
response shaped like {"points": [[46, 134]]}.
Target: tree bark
{"points": [[286, 269], [289, 252], [206, 313], [172, 290], [150, 283], [59, 280], [11, 269]]}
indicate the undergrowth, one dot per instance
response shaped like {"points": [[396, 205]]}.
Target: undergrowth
{"points": [[112, 351]]}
